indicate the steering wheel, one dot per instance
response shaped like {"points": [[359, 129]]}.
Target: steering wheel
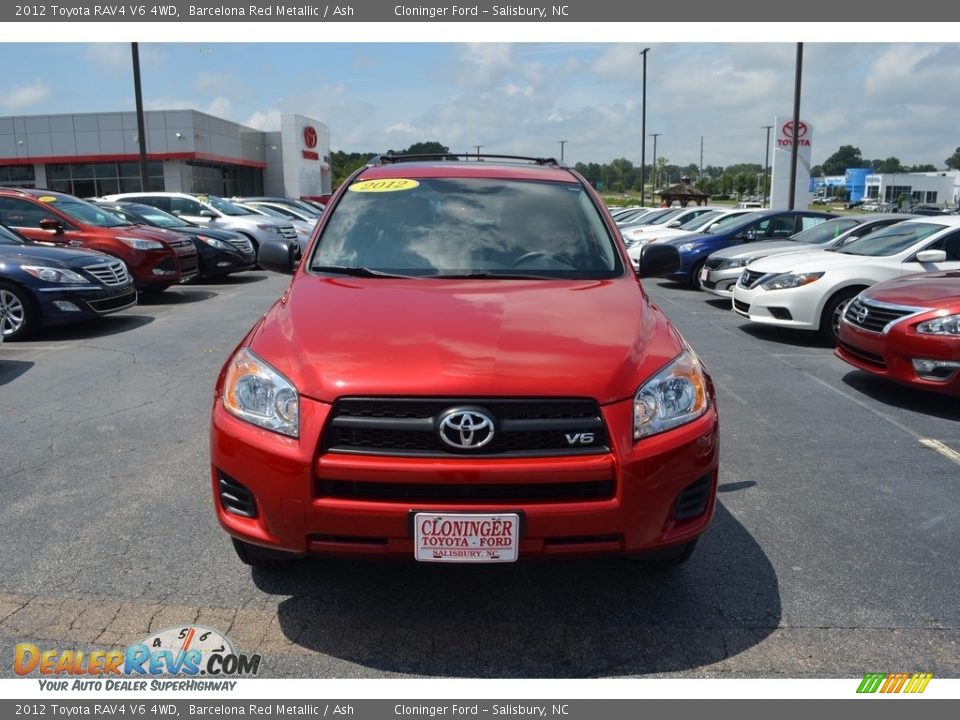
{"points": [[535, 254]]}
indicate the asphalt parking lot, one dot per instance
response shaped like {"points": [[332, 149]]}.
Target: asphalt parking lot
{"points": [[833, 551]]}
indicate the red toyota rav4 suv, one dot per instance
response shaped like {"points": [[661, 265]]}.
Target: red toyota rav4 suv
{"points": [[464, 368], [156, 258]]}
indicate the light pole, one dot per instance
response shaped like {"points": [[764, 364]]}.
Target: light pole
{"points": [[766, 168], [796, 128], [643, 133], [141, 132], [654, 170], [562, 143], [478, 151]]}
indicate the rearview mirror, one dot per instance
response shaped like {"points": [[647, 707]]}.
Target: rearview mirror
{"points": [[657, 260], [931, 256], [279, 256]]}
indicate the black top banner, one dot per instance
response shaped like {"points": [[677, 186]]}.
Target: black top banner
{"points": [[526, 11]]}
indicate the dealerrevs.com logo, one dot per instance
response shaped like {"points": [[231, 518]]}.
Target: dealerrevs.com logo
{"points": [[889, 683], [190, 652]]}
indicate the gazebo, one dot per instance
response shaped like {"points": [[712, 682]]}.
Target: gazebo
{"points": [[684, 193]]}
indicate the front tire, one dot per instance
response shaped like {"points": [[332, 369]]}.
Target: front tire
{"points": [[830, 318], [19, 318], [694, 281]]}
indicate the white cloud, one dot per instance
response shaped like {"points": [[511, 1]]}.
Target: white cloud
{"points": [[23, 96]]}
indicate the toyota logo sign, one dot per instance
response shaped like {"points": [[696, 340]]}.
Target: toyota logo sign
{"points": [[466, 428], [310, 136], [788, 129]]}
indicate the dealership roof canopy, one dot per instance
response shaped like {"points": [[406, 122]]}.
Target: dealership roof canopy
{"points": [[684, 193]]}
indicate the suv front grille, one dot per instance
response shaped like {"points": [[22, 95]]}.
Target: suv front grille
{"points": [[523, 428], [288, 232], [112, 273], [467, 492], [875, 316]]}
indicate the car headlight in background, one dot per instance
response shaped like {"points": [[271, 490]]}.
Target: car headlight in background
{"points": [[54, 275], [947, 325], [214, 243], [674, 396], [271, 228], [255, 392], [734, 263], [141, 244], [686, 247], [791, 280]]}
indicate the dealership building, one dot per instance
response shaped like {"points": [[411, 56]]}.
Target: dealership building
{"points": [[935, 188], [94, 154]]}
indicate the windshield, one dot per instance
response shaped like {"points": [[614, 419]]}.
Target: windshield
{"points": [[459, 227], [267, 210], [227, 208], [825, 231], [8, 237], [88, 213], [891, 240], [651, 217], [156, 217]]}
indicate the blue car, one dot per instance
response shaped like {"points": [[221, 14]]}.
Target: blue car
{"points": [[763, 225], [42, 285]]}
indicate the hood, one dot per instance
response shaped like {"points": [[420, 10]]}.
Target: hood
{"points": [[762, 249], [55, 256], [147, 232], [814, 261], [935, 289], [334, 337]]}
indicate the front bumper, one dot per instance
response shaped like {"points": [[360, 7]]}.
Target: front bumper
{"points": [[214, 261], [794, 307], [890, 355], [719, 282], [89, 301], [282, 477]]}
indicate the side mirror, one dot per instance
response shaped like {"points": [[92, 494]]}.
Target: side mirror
{"points": [[675, 224], [51, 225], [931, 256], [657, 260], [209, 214], [279, 256]]}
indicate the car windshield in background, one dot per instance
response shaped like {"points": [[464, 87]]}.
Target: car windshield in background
{"points": [[825, 231], [88, 213], [156, 217], [227, 208], [468, 228], [891, 240], [8, 237], [700, 220], [272, 212]]}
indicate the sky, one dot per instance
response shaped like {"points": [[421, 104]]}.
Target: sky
{"points": [[900, 99]]}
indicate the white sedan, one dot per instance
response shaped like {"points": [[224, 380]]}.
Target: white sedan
{"points": [[808, 290]]}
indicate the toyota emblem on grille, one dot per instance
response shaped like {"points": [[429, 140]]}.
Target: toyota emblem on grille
{"points": [[466, 428], [862, 314]]}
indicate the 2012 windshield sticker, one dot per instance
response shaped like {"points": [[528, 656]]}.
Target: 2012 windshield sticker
{"points": [[384, 185], [105, 11]]}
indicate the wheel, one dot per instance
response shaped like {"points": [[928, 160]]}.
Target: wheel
{"points": [[18, 317], [830, 319], [695, 274], [263, 558], [666, 557]]}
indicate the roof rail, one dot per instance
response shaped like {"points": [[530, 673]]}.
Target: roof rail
{"points": [[389, 159]]}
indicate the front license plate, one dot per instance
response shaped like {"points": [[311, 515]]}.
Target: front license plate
{"points": [[466, 537], [704, 273]]}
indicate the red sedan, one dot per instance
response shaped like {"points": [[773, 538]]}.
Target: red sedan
{"points": [[907, 330]]}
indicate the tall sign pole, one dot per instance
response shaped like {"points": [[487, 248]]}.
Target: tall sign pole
{"points": [[796, 129], [643, 134], [141, 131]]}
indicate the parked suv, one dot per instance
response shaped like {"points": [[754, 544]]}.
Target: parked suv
{"points": [[213, 211], [156, 258], [464, 368]]}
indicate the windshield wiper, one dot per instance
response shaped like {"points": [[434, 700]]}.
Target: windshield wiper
{"points": [[490, 276], [356, 271]]}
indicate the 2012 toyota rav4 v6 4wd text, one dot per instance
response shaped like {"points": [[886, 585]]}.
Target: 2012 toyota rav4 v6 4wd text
{"points": [[464, 368]]}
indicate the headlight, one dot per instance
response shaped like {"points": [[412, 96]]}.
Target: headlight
{"points": [[214, 243], [302, 231], [141, 244], [270, 228], [791, 280], [255, 392], [54, 275], [733, 263], [686, 247], [674, 396], [947, 325]]}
